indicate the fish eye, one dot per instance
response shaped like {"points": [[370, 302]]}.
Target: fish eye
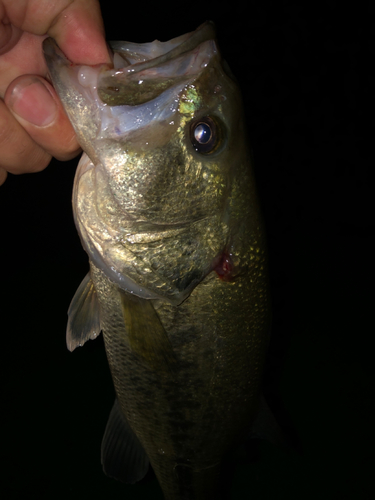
{"points": [[205, 135]]}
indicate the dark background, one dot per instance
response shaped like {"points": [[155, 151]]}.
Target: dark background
{"points": [[307, 87]]}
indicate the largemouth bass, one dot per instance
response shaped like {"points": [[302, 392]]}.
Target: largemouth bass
{"points": [[165, 204]]}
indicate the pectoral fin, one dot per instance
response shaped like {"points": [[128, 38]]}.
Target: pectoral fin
{"points": [[147, 335], [83, 315], [123, 456]]}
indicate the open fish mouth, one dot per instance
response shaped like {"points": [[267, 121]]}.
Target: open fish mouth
{"points": [[140, 89], [143, 71]]}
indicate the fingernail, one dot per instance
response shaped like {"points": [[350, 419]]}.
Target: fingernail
{"points": [[31, 100]]}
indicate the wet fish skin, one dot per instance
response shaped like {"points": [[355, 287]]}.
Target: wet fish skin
{"points": [[177, 265]]}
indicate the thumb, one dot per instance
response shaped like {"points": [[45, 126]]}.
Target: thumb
{"points": [[35, 105]]}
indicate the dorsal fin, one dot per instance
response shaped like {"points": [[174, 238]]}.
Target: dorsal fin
{"points": [[83, 315]]}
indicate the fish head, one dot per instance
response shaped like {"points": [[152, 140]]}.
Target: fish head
{"points": [[163, 189]]}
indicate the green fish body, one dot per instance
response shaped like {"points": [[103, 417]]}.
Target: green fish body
{"points": [[165, 205]]}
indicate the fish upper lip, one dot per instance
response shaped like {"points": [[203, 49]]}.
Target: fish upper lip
{"points": [[204, 32]]}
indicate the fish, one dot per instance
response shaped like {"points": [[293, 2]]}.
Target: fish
{"points": [[165, 203]]}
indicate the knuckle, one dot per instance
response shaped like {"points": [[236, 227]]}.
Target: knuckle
{"points": [[39, 161]]}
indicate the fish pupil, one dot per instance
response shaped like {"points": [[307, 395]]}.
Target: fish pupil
{"points": [[205, 135], [202, 133]]}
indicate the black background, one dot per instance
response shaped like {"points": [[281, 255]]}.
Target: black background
{"points": [[306, 82]]}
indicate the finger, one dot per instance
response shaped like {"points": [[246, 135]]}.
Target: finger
{"points": [[79, 32], [19, 153], [76, 25], [35, 105]]}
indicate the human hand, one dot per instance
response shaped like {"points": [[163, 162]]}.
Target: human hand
{"points": [[33, 124]]}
